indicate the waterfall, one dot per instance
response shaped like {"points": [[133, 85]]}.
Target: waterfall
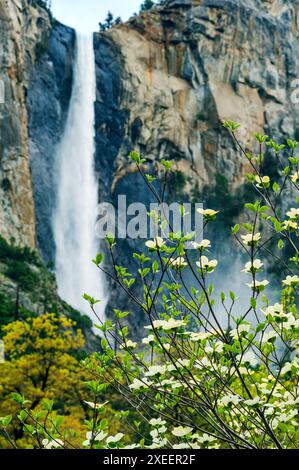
{"points": [[77, 191]]}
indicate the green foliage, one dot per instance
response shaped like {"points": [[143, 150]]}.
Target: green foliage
{"points": [[7, 310], [177, 181], [25, 274], [42, 3], [109, 22], [231, 125], [83, 322], [10, 251], [147, 5], [22, 274], [42, 47], [6, 184], [46, 5]]}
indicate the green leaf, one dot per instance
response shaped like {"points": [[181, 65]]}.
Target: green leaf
{"points": [[135, 157], [292, 144], [18, 398], [104, 424], [167, 164], [98, 259], [231, 125], [155, 267], [143, 272], [22, 416], [248, 227], [48, 405], [251, 207], [277, 225], [235, 229], [260, 327], [5, 421], [276, 187], [90, 299], [261, 138], [110, 239], [150, 178], [120, 315], [280, 244]]}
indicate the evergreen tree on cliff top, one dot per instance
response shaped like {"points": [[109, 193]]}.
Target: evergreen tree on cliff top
{"points": [[147, 5]]}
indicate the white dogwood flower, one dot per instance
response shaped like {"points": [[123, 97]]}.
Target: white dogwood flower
{"points": [[291, 322], [157, 443], [204, 438], [295, 177], [114, 439], [207, 213], [253, 267], [96, 406], [289, 225], [291, 281], [182, 362], [252, 402], [177, 263], [243, 328], [199, 336], [249, 357], [203, 244], [53, 444], [258, 286], [149, 339], [100, 436], [263, 181], [230, 399], [182, 445], [156, 243], [137, 384], [251, 239], [293, 213], [275, 310], [269, 336], [181, 431], [129, 345], [157, 422], [155, 370], [166, 325], [207, 265]]}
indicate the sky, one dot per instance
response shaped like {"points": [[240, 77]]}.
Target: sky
{"points": [[85, 15]]}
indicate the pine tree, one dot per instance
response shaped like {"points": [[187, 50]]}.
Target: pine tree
{"points": [[147, 5], [109, 22]]}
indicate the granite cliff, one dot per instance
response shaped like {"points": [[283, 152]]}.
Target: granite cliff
{"points": [[166, 80]]}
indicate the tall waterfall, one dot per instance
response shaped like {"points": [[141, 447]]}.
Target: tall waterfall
{"points": [[77, 191]]}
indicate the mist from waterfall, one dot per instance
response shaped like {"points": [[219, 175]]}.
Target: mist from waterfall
{"points": [[77, 190]]}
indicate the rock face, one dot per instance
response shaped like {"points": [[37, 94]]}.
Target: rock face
{"points": [[166, 80], [190, 65], [21, 27], [36, 69], [48, 99]]}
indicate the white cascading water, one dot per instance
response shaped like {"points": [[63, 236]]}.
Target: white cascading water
{"points": [[77, 191]]}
